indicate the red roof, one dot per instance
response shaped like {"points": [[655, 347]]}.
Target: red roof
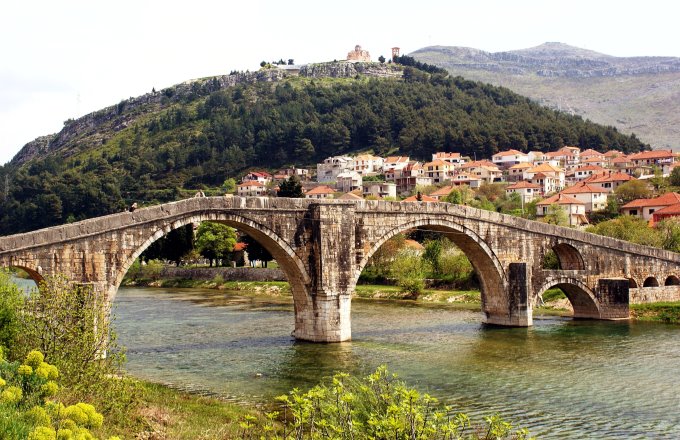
{"points": [[443, 191], [240, 246], [251, 183], [664, 200], [322, 189], [654, 154], [613, 153], [590, 168], [582, 188], [522, 184], [669, 210], [423, 198], [609, 177], [560, 199], [508, 153], [478, 163]]}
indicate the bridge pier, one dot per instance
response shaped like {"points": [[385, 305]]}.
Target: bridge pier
{"points": [[613, 297], [518, 312]]}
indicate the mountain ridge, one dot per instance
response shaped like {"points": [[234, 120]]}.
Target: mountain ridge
{"points": [[639, 94]]}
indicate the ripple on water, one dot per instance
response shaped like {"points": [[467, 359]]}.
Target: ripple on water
{"points": [[560, 379]]}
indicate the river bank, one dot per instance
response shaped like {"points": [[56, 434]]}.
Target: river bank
{"points": [[555, 302]]}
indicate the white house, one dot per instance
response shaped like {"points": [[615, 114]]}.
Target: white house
{"points": [[574, 209], [251, 188], [506, 159], [594, 197], [379, 189], [348, 181], [366, 164], [330, 168], [527, 191]]}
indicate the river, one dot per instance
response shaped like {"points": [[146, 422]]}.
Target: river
{"points": [[560, 379]]}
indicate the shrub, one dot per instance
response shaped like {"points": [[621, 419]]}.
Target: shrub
{"points": [[377, 407], [409, 271], [11, 301]]}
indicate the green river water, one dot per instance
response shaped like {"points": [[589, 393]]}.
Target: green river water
{"points": [[560, 378]]}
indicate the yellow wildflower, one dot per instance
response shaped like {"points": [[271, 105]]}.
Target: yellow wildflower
{"points": [[64, 434], [84, 414], [34, 359], [39, 416], [42, 433], [50, 388], [25, 370], [11, 395], [2, 382]]}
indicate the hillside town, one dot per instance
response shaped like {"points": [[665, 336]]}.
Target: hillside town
{"points": [[575, 181]]}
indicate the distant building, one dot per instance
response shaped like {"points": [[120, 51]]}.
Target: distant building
{"points": [[575, 209], [379, 189], [527, 191], [366, 164], [506, 159], [320, 192], [330, 168], [645, 208], [594, 197], [348, 181], [358, 54], [251, 188], [259, 176]]}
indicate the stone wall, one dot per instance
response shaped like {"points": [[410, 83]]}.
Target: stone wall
{"points": [[654, 294], [227, 273]]}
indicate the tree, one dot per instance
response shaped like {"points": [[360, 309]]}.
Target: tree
{"points": [[256, 251], [291, 61], [632, 190], [229, 186], [291, 188], [215, 241], [173, 246], [263, 63], [381, 59], [556, 215], [674, 178], [628, 228], [432, 254]]}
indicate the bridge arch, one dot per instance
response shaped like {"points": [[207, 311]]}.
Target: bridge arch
{"points": [[486, 264], [569, 257], [672, 280], [33, 274], [632, 283], [581, 297], [287, 259], [651, 281]]}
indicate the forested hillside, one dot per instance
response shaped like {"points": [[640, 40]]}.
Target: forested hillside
{"points": [[205, 137]]}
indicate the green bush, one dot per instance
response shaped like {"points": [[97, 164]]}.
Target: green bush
{"points": [[11, 301], [377, 407], [409, 270]]}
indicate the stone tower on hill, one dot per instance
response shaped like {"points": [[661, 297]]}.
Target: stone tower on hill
{"points": [[358, 54]]}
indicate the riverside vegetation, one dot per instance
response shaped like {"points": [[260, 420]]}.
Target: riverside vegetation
{"points": [[68, 390]]}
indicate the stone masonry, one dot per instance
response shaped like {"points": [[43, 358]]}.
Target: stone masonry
{"points": [[322, 247]]}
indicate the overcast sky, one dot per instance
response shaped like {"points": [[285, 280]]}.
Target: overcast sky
{"points": [[63, 59]]}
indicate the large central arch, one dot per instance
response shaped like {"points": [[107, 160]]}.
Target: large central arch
{"points": [[486, 264], [288, 261]]}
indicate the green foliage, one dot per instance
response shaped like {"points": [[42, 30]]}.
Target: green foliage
{"points": [[433, 254], [674, 178], [376, 407], [550, 261], [215, 241], [669, 233], [229, 185], [202, 136], [291, 188], [28, 411], [11, 302], [409, 270], [556, 215], [632, 190], [173, 246], [628, 228]]}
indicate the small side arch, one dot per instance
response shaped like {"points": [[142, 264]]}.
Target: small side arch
{"points": [[569, 257], [632, 284], [581, 297], [672, 280], [34, 274], [651, 282]]}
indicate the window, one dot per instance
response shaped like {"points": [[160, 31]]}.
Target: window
{"points": [[633, 212]]}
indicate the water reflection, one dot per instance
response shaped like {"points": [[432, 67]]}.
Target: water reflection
{"points": [[561, 378]]}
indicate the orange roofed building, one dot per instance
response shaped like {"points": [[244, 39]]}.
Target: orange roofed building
{"points": [[645, 208], [574, 208]]}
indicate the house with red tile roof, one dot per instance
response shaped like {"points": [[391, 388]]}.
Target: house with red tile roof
{"points": [[442, 192], [516, 172], [653, 157], [644, 208], [594, 197], [320, 192], [251, 188], [549, 177], [671, 211], [609, 181], [506, 159], [574, 208], [452, 158], [259, 176], [466, 179], [527, 191], [395, 163], [584, 172], [439, 170]]}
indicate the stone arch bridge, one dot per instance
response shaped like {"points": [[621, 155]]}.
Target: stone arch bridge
{"points": [[322, 246]]}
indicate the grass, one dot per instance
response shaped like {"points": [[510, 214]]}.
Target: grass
{"points": [[167, 413], [668, 312]]}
